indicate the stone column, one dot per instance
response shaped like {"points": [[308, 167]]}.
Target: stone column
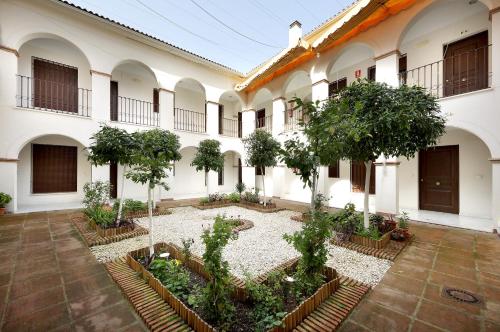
{"points": [[495, 48], [495, 192], [278, 172], [100, 96], [212, 118], [387, 168], [167, 109], [320, 92], [279, 107], [248, 127], [8, 181], [8, 72]]}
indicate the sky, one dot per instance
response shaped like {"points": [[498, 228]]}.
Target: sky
{"points": [[240, 34]]}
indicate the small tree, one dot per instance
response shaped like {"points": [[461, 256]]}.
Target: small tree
{"points": [[262, 151], [112, 145], [208, 158], [370, 119], [305, 156], [155, 151]]}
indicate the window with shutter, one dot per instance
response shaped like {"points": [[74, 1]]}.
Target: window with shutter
{"points": [[221, 177], [333, 170], [372, 73], [54, 168], [221, 119], [156, 100], [336, 86], [358, 176]]}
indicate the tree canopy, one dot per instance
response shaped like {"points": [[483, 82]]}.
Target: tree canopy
{"points": [[208, 157], [111, 144], [262, 149]]}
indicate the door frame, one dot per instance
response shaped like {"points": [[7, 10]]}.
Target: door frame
{"points": [[457, 171]]}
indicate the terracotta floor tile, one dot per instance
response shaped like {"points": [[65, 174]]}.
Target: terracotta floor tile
{"points": [[446, 318], [434, 294], [25, 305], [465, 262], [86, 306], [455, 270], [419, 326], [85, 287], [44, 320], [378, 318], [33, 285], [403, 284], [491, 327], [394, 299], [71, 273], [455, 282], [108, 320], [349, 326], [405, 268]]}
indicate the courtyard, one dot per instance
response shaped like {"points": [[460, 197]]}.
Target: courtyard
{"points": [[51, 281]]}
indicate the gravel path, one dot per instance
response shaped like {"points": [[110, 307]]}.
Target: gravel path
{"points": [[256, 250]]}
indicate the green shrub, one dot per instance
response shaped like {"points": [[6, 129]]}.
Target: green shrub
{"points": [[233, 197], [372, 232], [216, 296], [346, 221], [268, 300], [186, 248], [403, 220], [104, 217], [172, 275], [204, 200], [4, 199], [130, 206], [216, 197], [240, 188], [311, 243], [96, 194], [252, 196]]}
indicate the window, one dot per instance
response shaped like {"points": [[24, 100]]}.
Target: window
{"points": [[336, 86], [220, 179], [259, 172], [221, 119], [372, 73], [54, 168], [358, 176], [403, 69], [261, 118], [334, 170], [156, 100]]}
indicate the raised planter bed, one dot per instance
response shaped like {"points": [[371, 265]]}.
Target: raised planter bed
{"points": [[371, 243], [390, 251], [269, 208], [114, 231], [143, 214], [291, 320]]}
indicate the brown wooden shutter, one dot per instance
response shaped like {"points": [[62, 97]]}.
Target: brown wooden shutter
{"points": [[156, 100], [113, 100], [372, 73], [334, 170], [54, 168], [240, 124], [358, 176], [55, 86], [221, 119], [336, 86], [403, 68], [113, 179], [261, 118], [220, 179], [240, 171]]}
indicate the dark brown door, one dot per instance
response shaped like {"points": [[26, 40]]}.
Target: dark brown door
{"points": [[113, 100], [372, 73], [54, 168], [403, 65], [336, 86], [240, 171], [358, 176], [156, 100], [221, 119], [113, 179], [261, 118], [55, 86], [466, 65], [240, 124], [439, 182]]}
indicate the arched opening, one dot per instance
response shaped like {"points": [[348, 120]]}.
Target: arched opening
{"points": [[445, 48], [263, 103], [51, 172], [353, 62], [230, 116], [231, 174], [188, 183], [298, 86], [190, 106], [454, 177], [134, 94], [53, 75]]}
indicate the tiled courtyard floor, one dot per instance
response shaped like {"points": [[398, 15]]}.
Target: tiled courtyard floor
{"points": [[50, 281]]}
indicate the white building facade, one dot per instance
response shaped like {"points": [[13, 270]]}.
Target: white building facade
{"points": [[64, 71]]}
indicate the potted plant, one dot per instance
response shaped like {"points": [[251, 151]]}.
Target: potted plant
{"points": [[4, 200], [401, 233]]}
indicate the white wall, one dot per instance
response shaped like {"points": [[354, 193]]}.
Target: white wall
{"points": [[134, 82], [190, 100], [188, 182], [230, 173], [339, 71], [474, 180], [28, 200]]}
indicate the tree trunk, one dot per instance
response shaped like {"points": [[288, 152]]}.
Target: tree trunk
{"points": [[313, 189], [206, 181], [263, 185], [150, 213], [120, 208], [366, 216]]}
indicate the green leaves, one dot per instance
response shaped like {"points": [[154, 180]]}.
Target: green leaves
{"points": [[208, 156], [111, 144], [262, 149]]}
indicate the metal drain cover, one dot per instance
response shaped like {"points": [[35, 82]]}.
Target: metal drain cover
{"points": [[461, 295]]}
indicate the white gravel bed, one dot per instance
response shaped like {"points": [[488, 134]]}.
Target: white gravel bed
{"points": [[256, 250]]}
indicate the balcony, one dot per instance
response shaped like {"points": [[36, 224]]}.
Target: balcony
{"points": [[134, 111], [52, 96], [264, 123], [454, 75], [187, 120], [230, 128], [293, 119]]}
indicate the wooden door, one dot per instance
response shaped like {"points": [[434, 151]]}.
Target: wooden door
{"points": [[113, 100], [439, 179], [372, 73], [240, 124], [466, 65], [240, 171], [55, 86], [113, 179], [54, 168], [221, 119], [358, 176], [261, 118]]}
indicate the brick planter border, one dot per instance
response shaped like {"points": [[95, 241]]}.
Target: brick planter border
{"points": [[245, 224], [390, 252], [92, 238], [371, 243], [249, 206]]}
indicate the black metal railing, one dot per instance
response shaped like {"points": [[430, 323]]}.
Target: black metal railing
{"points": [[230, 128], [135, 111], [190, 121], [293, 119], [461, 73], [265, 123], [51, 96]]}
